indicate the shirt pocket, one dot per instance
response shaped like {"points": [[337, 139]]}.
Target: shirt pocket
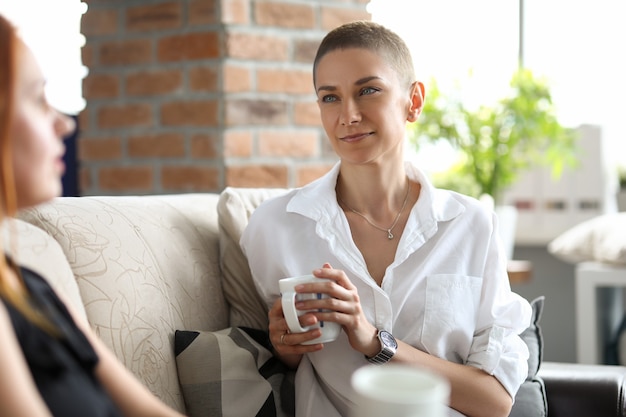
{"points": [[450, 312]]}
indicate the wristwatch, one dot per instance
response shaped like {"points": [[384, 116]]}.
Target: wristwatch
{"points": [[388, 348]]}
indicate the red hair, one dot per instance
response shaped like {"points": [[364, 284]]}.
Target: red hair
{"points": [[8, 62], [9, 48]]}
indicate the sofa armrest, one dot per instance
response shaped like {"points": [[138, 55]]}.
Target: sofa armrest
{"points": [[584, 390]]}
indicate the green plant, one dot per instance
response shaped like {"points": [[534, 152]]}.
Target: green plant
{"points": [[621, 175], [496, 143]]}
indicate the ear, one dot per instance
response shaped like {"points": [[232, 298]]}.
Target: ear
{"points": [[417, 101]]}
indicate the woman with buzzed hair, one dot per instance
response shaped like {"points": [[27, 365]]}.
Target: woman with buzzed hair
{"points": [[418, 275]]}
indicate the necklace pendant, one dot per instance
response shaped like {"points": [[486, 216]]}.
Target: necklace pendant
{"points": [[389, 234]]}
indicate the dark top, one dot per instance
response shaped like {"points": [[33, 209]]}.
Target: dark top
{"points": [[62, 366]]}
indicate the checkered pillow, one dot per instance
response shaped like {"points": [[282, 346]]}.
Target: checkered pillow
{"points": [[232, 372]]}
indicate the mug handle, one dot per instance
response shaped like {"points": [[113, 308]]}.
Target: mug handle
{"points": [[290, 313]]}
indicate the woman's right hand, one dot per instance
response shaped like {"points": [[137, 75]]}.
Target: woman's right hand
{"points": [[288, 346]]}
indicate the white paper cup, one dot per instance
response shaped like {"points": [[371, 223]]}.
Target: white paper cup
{"points": [[330, 330], [399, 391]]}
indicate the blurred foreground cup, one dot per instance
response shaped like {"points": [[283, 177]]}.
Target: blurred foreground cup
{"points": [[399, 391]]}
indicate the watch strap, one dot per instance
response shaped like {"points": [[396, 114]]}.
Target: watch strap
{"points": [[388, 348]]}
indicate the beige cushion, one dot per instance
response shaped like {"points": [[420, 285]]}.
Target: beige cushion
{"points": [[234, 209], [34, 249], [601, 239], [145, 266]]}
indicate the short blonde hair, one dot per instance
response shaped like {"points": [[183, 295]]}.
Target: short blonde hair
{"points": [[373, 37]]}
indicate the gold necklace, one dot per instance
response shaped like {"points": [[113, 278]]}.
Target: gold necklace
{"points": [[388, 230]]}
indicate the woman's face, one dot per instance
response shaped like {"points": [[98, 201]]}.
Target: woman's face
{"points": [[36, 134], [363, 105]]}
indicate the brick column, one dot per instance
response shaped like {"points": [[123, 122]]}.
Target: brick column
{"points": [[196, 95]]}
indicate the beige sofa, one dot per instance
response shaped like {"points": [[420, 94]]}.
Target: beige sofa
{"points": [[140, 267]]}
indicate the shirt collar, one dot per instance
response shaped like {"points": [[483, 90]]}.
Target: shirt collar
{"points": [[318, 200]]}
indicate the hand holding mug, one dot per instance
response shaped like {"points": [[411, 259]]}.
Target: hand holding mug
{"points": [[289, 298]]}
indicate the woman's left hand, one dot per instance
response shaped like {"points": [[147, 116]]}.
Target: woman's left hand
{"points": [[343, 307]]}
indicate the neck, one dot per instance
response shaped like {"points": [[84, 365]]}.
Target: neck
{"points": [[371, 190]]}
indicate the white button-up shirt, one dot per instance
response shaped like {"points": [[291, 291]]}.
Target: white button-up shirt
{"points": [[446, 292]]}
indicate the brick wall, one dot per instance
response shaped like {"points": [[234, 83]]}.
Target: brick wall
{"points": [[196, 95]]}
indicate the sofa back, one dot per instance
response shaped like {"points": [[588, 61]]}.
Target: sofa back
{"points": [[234, 209], [141, 266]]}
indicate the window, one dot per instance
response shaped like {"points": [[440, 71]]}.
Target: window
{"points": [[52, 30], [576, 45]]}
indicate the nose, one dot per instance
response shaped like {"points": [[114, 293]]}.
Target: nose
{"points": [[350, 113], [64, 125]]}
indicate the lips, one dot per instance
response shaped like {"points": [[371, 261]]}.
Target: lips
{"points": [[59, 162], [60, 166], [356, 137]]}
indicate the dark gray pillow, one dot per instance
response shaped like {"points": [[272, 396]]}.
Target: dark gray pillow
{"points": [[531, 400]]}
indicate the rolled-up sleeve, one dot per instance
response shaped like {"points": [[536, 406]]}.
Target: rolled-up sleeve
{"points": [[499, 350]]}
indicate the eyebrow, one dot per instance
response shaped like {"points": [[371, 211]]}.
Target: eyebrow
{"points": [[358, 82]]}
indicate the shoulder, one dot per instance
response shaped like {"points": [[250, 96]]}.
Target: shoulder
{"points": [[266, 219], [272, 207], [295, 208], [463, 209], [5, 319], [445, 204], [12, 324], [470, 204]]}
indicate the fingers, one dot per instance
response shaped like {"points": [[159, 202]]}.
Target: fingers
{"points": [[276, 311], [342, 307], [336, 275], [285, 342], [294, 342]]}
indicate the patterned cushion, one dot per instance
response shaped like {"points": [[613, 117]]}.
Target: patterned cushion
{"points": [[33, 248], [145, 266], [232, 372]]}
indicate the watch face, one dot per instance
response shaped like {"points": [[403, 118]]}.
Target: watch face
{"points": [[388, 339]]}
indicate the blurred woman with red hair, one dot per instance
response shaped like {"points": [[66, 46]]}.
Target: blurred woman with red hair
{"points": [[51, 362]]}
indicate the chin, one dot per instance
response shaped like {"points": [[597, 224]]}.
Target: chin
{"points": [[35, 190], [57, 193], [44, 197]]}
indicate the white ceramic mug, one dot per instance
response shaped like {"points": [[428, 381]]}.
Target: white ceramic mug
{"points": [[393, 390], [330, 330]]}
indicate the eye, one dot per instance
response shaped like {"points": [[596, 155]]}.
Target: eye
{"points": [[330, 98], [42, 100], [368, 90]]}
